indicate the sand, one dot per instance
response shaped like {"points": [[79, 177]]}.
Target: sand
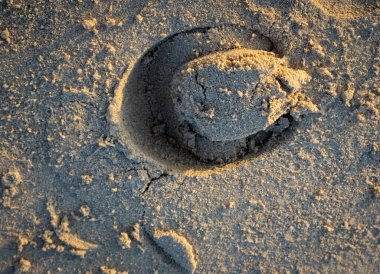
{"points": [[189, 136]]}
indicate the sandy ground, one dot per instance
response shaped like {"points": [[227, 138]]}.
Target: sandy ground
{"points": [[98, 176]]}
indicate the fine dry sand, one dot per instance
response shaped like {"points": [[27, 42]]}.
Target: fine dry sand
{"points": [[190, 136]]}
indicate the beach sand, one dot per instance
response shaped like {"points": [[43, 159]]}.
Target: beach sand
{"points": [[178, 136]]}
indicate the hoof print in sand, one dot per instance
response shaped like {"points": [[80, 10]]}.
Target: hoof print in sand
{"points": [[205, 97], [177, 248]]}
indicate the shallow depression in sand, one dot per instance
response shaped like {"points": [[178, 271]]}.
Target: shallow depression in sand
{"points": [[205, 97]]}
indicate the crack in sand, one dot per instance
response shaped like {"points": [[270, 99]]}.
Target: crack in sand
{"points": [[152, 180]]}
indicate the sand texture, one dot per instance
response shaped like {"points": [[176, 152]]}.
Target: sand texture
{"points": [[189, 136]]}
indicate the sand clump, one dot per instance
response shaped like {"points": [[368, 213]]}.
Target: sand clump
{"points": [[108, 270], [23, 266], [124, 240], [5, 34], [231, 95], [91, 24], [224, 99]]}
